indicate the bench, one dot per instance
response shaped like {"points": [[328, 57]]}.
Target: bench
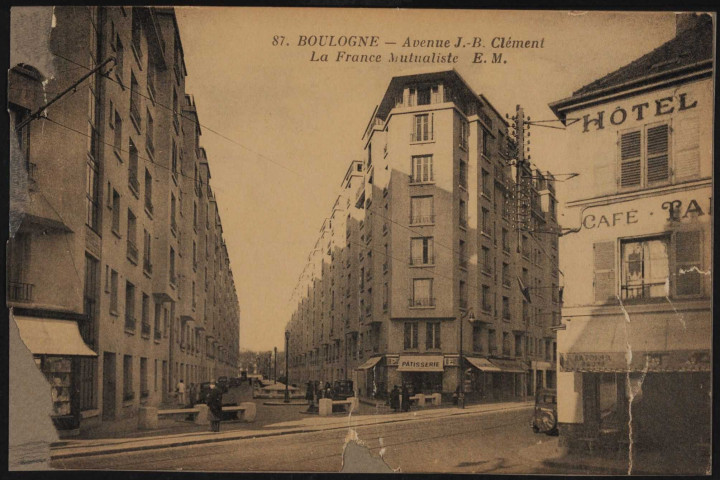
{"points": [[325, 405], [148, 416]]}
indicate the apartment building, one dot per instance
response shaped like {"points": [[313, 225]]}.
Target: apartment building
{"points": [[636, 346], [432, 239], [100, 267]]}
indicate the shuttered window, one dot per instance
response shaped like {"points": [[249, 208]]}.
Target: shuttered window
{"points": [[688, 263], [657, 154], [645, 157], [630, 158]]}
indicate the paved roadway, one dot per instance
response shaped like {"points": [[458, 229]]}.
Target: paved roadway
{"points": [[498, 442]]}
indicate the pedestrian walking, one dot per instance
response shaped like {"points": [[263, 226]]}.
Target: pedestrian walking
{"points": [[405, 399], [180, 391], [395, 398], [328, 390], [214, 403], [309, 393]]}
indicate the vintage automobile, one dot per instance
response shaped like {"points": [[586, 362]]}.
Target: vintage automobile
{"points": [[342, 389], [544, 419]]}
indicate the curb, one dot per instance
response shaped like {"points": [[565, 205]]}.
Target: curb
{"points": [[201, 441]]}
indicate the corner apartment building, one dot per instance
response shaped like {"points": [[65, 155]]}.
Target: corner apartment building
{"points": [[100, 265], [635, 352], [431, 239]]}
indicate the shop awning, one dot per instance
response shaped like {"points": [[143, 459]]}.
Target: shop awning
{"points": [[482, 364], [510, 366], [678, 342], [49, 336], [370, 363]]}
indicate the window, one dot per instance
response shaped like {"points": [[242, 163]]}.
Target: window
{"points": [[195, 215], [148, 192], [116, 212], [492, 342], [487, 260], [132, 251], [129, 306], [173, 280], [463, 295], [386, 294], [133, 170], [463, 213], [145, 315], [463, 174], [151, 73], [119, 51], [422, 210], [173, 220], [174, 160], [422, 128], [486, 183], [525, 246], [135, 102], [484, 137], [422, 168], [648, 166], [150, 133], [477, 344], [645, 268], [518, 345], [506, 274], [506, 343], [113, 292], [421, 251], [486, 299], [486, 226], [176, 121], [464, 134], [422, 293], [462, 254], [136, 36], [92, 194], [194, 255], [117, 137], [411, 335], [432, 336], [128, 393], [505, 240], [506, 308], [147, 252]]}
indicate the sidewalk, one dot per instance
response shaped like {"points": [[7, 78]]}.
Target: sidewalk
{"points": [[79, 448]]}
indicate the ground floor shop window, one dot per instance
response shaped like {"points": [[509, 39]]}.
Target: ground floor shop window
{"points": [[423, 382]]}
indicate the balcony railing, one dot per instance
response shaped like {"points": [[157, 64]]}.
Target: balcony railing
{"points": [[129, 322], [422, 136], [132, 251], [20, 292], [145, 329], [427, 260], [419, 219], [422, 302]]}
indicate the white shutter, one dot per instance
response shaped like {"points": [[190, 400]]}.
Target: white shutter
{"points": [[686, 154]]}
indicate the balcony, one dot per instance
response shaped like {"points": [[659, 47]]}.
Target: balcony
{"points": [[129, 323], [427, 136], [20, 292], [132, 252], [145, 329], [426, 302], [422, 219]]}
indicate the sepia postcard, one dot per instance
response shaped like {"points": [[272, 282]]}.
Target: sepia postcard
{"points": [[249, 239]]}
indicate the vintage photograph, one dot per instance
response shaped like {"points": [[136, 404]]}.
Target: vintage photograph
{"points": [[249, 239]]}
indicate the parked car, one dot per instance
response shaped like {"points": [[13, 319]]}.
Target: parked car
{"points": [[343, 389], [544, 418]]}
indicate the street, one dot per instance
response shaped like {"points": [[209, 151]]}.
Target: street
{"points": [[496, 442]]}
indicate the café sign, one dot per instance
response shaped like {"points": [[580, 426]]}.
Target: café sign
{"points": [[420, 363]]}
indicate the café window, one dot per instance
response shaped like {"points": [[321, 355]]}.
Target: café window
{"points": [[645, 268], [644, 156]]}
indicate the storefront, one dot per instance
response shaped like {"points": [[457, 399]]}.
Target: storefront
{"points": [[490, 380], [421, 373], [57, 347], [371, 379]]}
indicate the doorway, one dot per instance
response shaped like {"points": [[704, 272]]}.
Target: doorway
{"points": [[108, 386]]}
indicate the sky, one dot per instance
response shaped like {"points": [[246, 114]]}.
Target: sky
{"points": [[280, 129]]}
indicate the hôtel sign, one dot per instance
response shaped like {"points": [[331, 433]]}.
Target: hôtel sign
{"points": [[676, 207], [657, 108]]}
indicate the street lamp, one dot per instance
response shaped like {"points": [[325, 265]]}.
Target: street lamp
{"points": [[461, 392], [287, 372]]}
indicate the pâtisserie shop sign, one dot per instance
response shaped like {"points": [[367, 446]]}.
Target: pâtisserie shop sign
{"points": [[657, 108]]}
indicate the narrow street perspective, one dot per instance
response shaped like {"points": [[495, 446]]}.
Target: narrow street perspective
{"points": [[249, 239]]}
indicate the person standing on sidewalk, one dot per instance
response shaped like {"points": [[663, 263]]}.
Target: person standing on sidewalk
{"points": [[214, 403], [180, 390], [405, 398], [395, 398]]}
